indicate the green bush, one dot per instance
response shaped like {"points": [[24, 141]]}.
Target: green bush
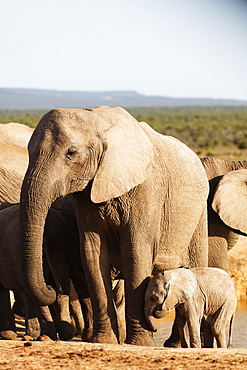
{"points": [[29, 118], [202, 130]]}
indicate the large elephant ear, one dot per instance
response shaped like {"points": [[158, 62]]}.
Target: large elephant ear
{"points": [[128, 159], [230, 200]]}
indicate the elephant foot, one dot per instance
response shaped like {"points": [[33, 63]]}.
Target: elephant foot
{"points": [[172, 344], [174, 340], [65, 330], [109, 338], [122, 334], [48, 329], [87, 334], [141, 339], [8, 335], [44, 338], [33, 327]]}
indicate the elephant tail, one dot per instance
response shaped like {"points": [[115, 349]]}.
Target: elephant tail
{"points": [[229, 344]]}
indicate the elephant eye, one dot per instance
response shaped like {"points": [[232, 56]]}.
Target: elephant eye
{"points": [[71, 153], [153, 298]]}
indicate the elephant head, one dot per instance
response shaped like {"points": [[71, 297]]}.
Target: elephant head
{"points": [[104, 149], [166, 291], [230, 200]]}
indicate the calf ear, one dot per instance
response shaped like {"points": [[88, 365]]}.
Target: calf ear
{"points": [[230, 200], [181, 287], [189, 285]]}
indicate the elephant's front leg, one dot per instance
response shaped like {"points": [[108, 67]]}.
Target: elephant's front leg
{"points": [[95, 260], [137, 261], [193, 318]]}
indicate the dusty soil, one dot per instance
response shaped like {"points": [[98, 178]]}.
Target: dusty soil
{"points": [[79, 355]]}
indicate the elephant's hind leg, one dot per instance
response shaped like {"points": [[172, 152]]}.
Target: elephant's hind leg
{"points": [[207, 336], [219, 332]]}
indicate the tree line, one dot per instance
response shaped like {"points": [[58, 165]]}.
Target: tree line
{"points": [[204, 129]]}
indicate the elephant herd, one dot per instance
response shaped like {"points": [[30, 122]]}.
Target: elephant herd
{"points": [[99, 199]]}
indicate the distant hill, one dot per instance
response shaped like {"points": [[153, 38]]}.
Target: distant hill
{"points": [[11, 98]]}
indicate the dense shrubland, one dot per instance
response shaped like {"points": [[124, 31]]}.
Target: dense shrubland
{"points": [[220, 131]]}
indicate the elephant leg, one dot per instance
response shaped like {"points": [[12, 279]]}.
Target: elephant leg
{"points": [[96, 265], [193, 319], [137, 268], [33, 328], [87, 313], [217, 252], [66, 330], [220, 337], [81, 290], [46, 322], [198, 248], [219, 327], [183, 330], [57, 259], [7, 320], [75, 310], [207, 336], [220, 240], [19, 306], [118, 294], [76, 316], [174, 339]]}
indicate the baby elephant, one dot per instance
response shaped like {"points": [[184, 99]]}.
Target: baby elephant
{"points": [[204, 299]]}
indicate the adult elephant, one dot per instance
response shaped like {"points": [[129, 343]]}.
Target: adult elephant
{"points": [[140, 201], [226, 206], [15, 133]]}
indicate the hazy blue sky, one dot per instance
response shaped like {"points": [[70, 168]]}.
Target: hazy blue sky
{"points": [[173, 48]]}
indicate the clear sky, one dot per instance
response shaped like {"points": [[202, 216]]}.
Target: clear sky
{"points": [[172, 48]]}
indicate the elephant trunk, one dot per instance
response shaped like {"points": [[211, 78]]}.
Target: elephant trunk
{"points": [[148, 310], [159, 314], [34, 205]]}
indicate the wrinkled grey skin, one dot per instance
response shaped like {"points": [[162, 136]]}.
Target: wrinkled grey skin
{"points": [[56, 260], [227, 207], [123, 176], [201, 296]]}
